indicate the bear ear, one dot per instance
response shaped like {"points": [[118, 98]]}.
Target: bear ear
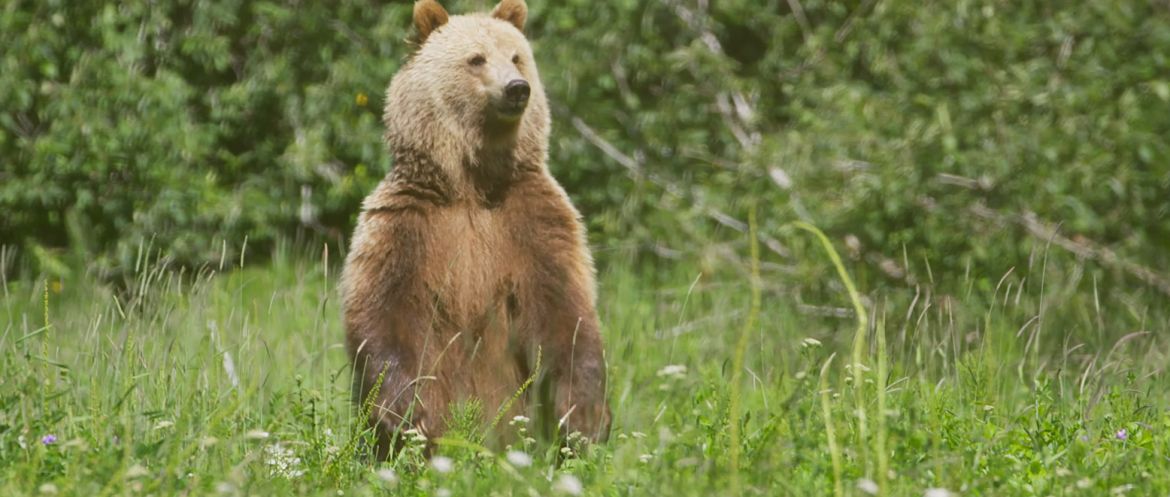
{"points": [[514, 12], [428, 16]]}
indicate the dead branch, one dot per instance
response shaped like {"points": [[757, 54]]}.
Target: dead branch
{"points": [[734, 107], [637, 172], [1081, 247]]}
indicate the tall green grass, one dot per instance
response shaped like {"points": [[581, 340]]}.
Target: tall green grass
{"points": [[233, 381]]}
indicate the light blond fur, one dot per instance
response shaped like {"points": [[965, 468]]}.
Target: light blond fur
{"points": [[469, 257]]}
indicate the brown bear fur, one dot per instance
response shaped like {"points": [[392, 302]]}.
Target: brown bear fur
{"points": [[469, 257]]}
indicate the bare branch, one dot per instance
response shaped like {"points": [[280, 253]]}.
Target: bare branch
{"points": [[1081, 247], [801, 19], [733, 106], [637, 172]]}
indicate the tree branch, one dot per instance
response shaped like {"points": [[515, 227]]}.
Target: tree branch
{"points": [[637, 172]]}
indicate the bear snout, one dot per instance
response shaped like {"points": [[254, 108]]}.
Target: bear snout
{"points": [[516, 94], [517, 90], [510, 103]]}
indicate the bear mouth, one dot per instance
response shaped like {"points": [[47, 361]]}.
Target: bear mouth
{"points": [[510, 109]]}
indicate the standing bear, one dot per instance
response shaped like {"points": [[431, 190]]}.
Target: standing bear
{"points": [[468, 260]]}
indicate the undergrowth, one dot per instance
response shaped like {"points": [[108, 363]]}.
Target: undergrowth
{"points": [[234, 381]]}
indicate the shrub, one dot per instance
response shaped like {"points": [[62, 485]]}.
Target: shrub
{"points": [[951, 133]]}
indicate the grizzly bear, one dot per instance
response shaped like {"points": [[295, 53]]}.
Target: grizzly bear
{"points": [[468, 260]]}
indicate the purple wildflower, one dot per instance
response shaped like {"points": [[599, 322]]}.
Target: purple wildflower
{"points": [[1122, 434], [49, 439]]}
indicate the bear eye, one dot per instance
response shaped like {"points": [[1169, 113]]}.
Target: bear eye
{"points": [[478, 60], [516, 59]]}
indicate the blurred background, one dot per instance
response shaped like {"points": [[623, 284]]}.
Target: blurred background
{"points": [[958, 137]]}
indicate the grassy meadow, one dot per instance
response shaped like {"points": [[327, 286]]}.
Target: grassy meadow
{"points": [[234, 381]]}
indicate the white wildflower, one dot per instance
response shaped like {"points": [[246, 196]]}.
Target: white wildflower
{"points": [[868, 486], [415, 435], [256, 435], [388, 476], [568, 484], [282, 461], [443, 464], [810, 342], [937, 492], [136, 471], [519, 420], [673, 371], [519, 459], [48, 489], [645, 458]]}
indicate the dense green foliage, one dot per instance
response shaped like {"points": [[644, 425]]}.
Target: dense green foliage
{"points": [[238, 385], [919, 131], [188, 125]]}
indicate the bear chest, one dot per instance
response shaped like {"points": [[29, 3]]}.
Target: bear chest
{"points": [[471, 265]]}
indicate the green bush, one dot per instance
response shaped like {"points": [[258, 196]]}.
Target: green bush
{"points": [[946, 133], [181, 126]]}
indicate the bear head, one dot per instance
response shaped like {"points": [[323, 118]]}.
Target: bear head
{"points": [[470, 90]]}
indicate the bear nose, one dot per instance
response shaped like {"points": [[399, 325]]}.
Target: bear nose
{"points": [[517, 91]]}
